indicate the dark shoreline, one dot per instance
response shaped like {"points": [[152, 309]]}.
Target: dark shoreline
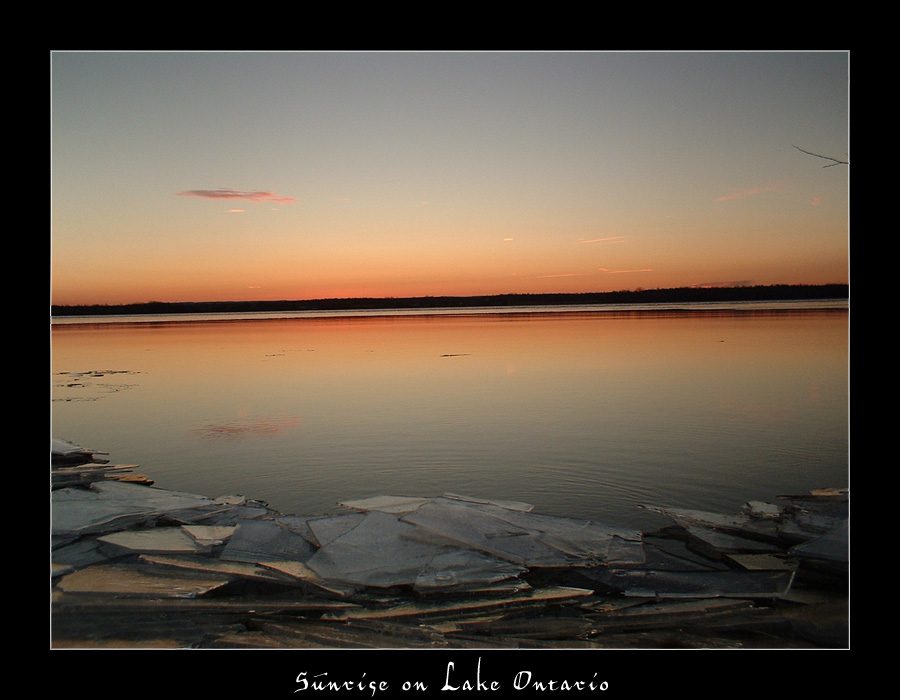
{"points": [[779, 292]]}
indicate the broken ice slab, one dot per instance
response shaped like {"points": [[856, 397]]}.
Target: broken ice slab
{"points": [[462, 568], [528, 628], [266, 540], [386, 504], [527, 539], [131, 582], [284, 573], [218, 567], [448, 543], [833, 546], [157, 539], [227, 515], [456, 608], [509, 505], [300, 573], [666, 553], [61, 476], [369, 550], [625, 551], [65, 452], [279, 572], [480, 528], [743, 525], [111, 506], [813, 524], [715, 543], [298, 524], [762, 562], [673, 614], [209, 535], [695, 584], [64, 447], [328, 528], [79, 554], [407, 504], [378, 549], [761, 509], [779, 526]]}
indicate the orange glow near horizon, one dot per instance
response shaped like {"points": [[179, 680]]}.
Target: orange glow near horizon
{"points": [[98, 296], [114, 292], [223, 281], [270, 176]]}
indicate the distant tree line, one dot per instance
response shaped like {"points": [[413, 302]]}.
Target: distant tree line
{"points": [[777, 292]]}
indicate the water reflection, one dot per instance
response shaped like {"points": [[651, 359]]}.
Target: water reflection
{"points": [[583, 414]]}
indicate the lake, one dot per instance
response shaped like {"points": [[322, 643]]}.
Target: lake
{"points": [[586, 412]]}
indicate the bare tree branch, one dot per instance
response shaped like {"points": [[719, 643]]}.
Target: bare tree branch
{"points": [[830, 165]]}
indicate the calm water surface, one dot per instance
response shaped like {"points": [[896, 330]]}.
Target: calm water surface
{"points": [[586, 414]]}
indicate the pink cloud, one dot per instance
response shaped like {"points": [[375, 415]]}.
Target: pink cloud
{"points": [[608, 239], [252, 196], [616, 272]]}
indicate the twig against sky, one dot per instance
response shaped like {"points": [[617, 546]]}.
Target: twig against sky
{"points": [[830, 165]]}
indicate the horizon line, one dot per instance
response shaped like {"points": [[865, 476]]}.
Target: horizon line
{"points": [[639, 291]]}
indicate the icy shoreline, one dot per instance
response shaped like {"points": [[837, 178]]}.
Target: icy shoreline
{"points": [[453, 571]]}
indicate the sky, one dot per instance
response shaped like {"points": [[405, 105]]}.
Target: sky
{"points": [[228, 176]]}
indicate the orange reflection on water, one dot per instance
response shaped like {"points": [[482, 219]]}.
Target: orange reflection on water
{"points": [[569, 406], [243, 427]]}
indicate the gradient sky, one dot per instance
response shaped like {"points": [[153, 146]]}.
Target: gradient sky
{"points": [[180, 176]]}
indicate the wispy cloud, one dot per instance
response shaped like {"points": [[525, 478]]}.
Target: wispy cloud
{"points": [[236, 211], [616, 272], [257, 196], [563, 274], [750, 192], [608, 239]]}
